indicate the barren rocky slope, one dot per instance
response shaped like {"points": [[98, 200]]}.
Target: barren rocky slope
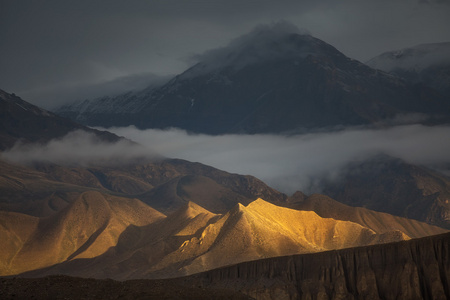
{"points": [[43, 189], [379, 222], [88, 227], [193, 240]]}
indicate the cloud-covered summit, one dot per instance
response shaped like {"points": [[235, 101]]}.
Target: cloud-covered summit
{"points": [[89, 42], [278, 40]]}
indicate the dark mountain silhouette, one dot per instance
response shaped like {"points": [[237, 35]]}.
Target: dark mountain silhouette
{"points": [[272, 81], [415, 269], [22, 121]]}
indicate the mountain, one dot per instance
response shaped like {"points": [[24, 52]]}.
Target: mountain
{"points": [[44, 188], [22, 121], [391, 185], [88, 227], [427, 63], [192, 240], [109, 220], [125, 94], [271, 81]]}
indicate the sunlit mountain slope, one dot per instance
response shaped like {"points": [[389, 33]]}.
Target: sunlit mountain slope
{"points": [[86, 228], [379, 222], [193, 240]]}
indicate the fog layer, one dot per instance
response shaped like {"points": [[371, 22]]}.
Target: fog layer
{"points": [[299, 162], [287, 163], [78, 148]]}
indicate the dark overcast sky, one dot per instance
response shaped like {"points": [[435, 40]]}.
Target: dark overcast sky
{"points": [[51, 50]]}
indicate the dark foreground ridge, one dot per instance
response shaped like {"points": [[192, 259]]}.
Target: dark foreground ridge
{"points": [[415, 269], [65, 287]]}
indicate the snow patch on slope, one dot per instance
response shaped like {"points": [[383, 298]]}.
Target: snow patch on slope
{"points": [[415, 58]]}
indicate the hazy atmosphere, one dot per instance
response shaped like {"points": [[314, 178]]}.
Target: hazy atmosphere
{"points": [[55, 52], [287, 163], [299, 162]]}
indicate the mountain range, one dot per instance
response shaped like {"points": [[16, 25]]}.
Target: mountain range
{"points": [[143, 220], [268, 82], [111, 237], [272, 82]]}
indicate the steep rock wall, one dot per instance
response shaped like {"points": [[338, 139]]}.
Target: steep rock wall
{"points": [[415, 269]]}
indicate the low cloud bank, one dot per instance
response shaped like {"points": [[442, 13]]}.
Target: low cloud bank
{"points": [[287, 163], [78, 148], [299, 162]]}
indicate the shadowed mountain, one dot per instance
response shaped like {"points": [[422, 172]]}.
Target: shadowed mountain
{"points": [[42, 189], [22, 121], [203, 190], [193, 240], [175, 182], [272, 81], [391, 185]]}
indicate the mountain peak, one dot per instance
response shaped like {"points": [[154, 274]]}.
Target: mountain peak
{"points": [[264, 43], [277, 80], [189, 211]]}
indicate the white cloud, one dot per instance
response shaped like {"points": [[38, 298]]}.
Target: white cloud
{"points": [[298, 162], [77, 147], [287, 163]]}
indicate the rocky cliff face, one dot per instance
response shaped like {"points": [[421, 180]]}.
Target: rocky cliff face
{"points": [[415, 269]]}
